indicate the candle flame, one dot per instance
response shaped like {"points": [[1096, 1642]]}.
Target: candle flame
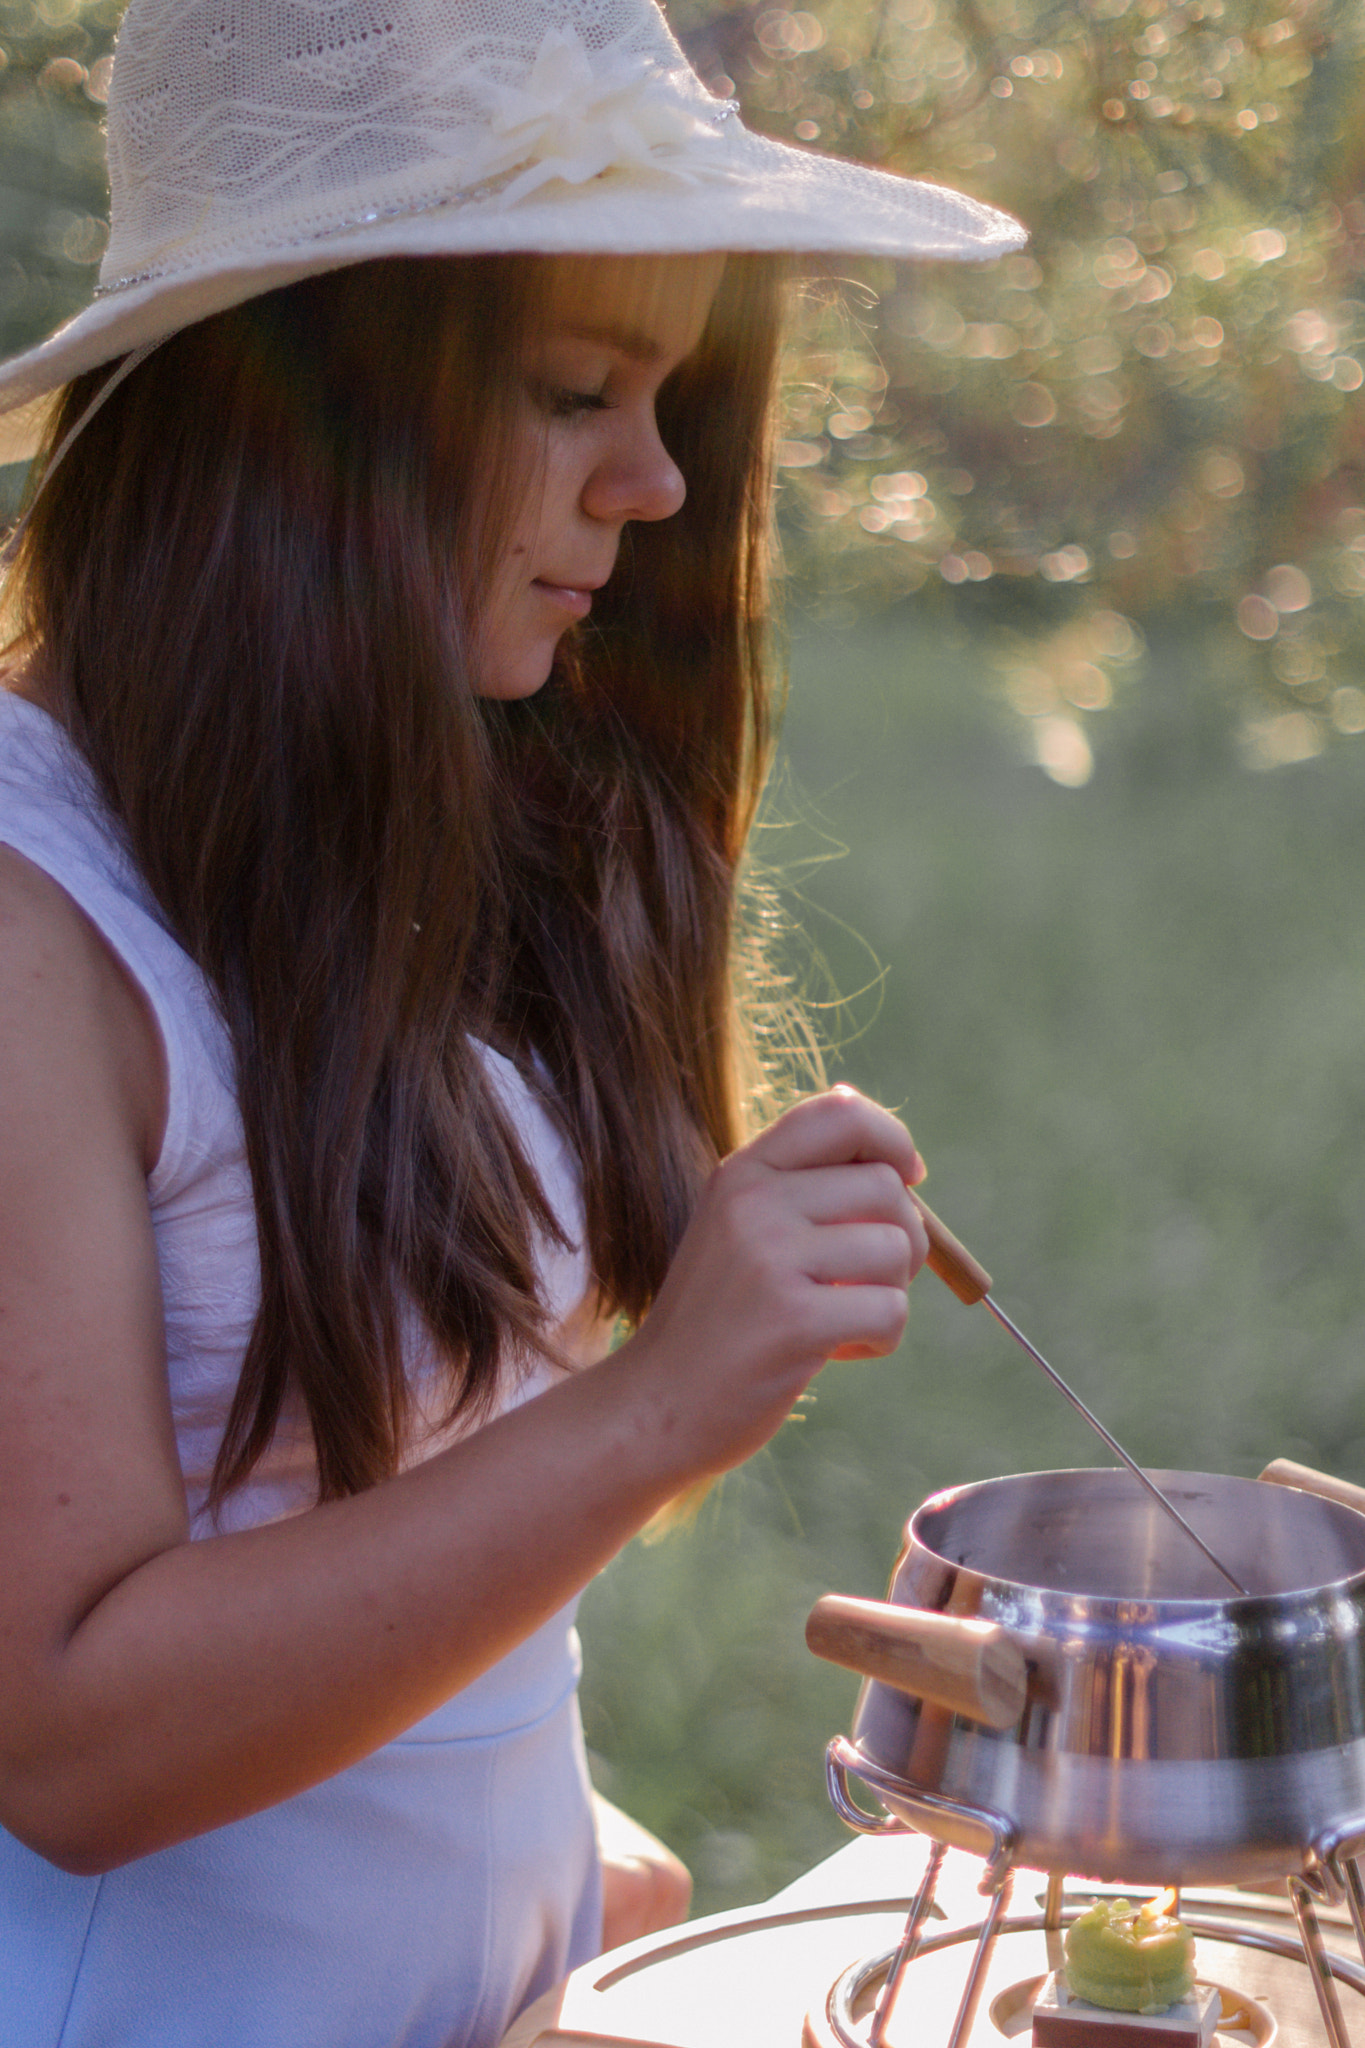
{"points": [[1164, 1902]]}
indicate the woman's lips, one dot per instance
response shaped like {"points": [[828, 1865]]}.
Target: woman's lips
{"points": [[576, 599]]}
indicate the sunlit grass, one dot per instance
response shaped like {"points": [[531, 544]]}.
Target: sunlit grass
{"points": [[1125, 1022]]}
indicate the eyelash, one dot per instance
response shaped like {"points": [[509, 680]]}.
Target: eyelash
{"points": [[564, 404]]}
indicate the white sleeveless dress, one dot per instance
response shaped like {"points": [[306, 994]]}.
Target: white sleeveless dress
{"points": [[422, 1897]]}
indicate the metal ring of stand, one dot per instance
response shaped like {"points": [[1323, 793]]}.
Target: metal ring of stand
{"points": [[1332, 1871]]}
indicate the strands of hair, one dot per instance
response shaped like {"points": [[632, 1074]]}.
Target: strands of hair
{"points": [[256, 613]]}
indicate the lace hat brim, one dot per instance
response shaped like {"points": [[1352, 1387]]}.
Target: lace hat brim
{"points": [[252, 147], [771, 198]]}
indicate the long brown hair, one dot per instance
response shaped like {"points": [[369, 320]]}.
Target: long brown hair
{"points": [[253, 587]]}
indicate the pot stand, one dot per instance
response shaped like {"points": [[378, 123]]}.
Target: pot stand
{"points": [[1331, 1872]]}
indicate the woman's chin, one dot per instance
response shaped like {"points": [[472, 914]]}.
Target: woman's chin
{"points": [[505, 683]]}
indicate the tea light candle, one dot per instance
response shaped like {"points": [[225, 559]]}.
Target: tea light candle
{"points": [[1129, 1959], [1129, 1978]]}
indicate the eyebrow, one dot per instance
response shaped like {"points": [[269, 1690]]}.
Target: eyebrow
{"points": [[632, 341]]}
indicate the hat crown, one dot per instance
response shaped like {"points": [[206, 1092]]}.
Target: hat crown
{"points": [[237, 123]]}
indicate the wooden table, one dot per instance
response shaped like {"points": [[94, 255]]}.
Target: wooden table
{"points": [[735, 1980]]}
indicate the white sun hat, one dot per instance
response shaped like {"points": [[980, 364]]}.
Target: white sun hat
{"points": [[252, 142]]}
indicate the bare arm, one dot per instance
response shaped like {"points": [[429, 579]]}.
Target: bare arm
{"points": [[152, 1688]]}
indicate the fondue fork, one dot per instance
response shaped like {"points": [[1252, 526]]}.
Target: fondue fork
{"points": [[970, 1282]]}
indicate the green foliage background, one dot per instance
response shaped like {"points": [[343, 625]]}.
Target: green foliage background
{"points": [[1159, 403], [54, 80], [1095, 510], [1125, 1024]]}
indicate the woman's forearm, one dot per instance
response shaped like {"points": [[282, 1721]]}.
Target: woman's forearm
{"points": [[207, 1680], [222, 1676]]}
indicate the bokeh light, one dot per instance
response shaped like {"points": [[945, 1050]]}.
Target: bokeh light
{"points": [[1157, 404]]}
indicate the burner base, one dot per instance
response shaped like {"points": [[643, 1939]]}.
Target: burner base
{"points": [[1261, 1989]]}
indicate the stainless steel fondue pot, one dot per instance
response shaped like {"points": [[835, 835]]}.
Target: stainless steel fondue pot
{"points": [[1057, 1680], [1150, 1730]]}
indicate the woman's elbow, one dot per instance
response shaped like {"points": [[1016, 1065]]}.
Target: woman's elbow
{"points": [[58, 1820]]}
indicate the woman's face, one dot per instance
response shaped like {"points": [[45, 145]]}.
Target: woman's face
{"points": [[587, 446]]}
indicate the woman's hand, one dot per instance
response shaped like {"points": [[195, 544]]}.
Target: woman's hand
{"points": [[802, 1249], [644, 1886]]}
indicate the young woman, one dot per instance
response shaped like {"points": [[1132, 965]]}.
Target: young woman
{"points": [[385, 711]]}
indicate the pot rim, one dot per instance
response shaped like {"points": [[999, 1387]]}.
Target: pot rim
{"points": [[1133, 1606]]}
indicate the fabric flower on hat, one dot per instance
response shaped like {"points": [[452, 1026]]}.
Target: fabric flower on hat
{"points": [[578, 116]]}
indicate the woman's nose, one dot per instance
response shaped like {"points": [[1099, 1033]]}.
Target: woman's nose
{"points": [[635, 476]]}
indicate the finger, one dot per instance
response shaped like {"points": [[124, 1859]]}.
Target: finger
{"points": [[837, 1128], [893, 1125], [871, 1191], [860, 1321], [872, 1254], [839, 1195], [848, 1352]]}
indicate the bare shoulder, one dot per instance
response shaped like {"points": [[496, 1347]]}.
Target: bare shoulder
{"points": [[70, 1014]]}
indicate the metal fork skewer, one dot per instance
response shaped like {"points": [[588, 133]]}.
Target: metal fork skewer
{"points": [[1115, 1446], [970, 1282]]}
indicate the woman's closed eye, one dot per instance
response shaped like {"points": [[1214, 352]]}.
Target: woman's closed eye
{"points": [[564, 402]]}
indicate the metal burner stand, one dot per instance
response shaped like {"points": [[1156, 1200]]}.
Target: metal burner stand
{"points": [[1331, 1872]]}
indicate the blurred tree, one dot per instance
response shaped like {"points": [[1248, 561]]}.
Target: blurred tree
{"points": [[1155, 412], [1157, 409], [54, 79]]}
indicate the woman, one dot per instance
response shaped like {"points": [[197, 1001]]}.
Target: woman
{"points": [[385, 716]]}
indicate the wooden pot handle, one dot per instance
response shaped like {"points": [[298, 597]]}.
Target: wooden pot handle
{"points": [[1284, 1472], [973, 1668]]}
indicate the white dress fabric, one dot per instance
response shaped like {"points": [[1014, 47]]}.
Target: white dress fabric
{"points": [[422, 1897]]}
